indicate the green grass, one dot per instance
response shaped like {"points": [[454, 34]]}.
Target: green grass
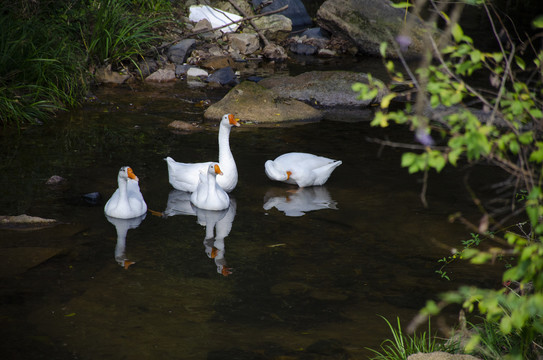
{"points": [[47, 47], [401, 345]]}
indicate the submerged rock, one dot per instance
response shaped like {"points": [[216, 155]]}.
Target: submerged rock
{"points": [[25, 222]]}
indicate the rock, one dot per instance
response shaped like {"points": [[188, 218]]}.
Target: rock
{"points": [[179, 52], [183, 126], [224, 76], [217, 62], [147, 66], [92, 199], [274, 52], [274, 27], [303, 49], [181, 70], [326, 53], [252, 102], [367, 23], [202, 25], [195, 72], [439, 355], [106, 76], [25, 222], [214, 16], [296, 11], [244, 43], [162, 76], [55, 180], [323, 88], [17, 260]]}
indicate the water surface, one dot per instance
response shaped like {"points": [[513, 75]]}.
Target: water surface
{"points": [[281, 282]]}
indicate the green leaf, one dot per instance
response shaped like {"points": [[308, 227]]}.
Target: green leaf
{"points": [[383, 49], [457, 32], [538, 21], [520, 62], [408, 159], [385, 102]]}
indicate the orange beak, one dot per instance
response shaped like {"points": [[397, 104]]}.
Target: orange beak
{"points": [[233, 120], [218, 169], [214, 252], [131, 174], [288, 174]]}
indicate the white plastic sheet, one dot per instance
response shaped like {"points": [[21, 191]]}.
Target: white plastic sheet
{"points": [[215, 16]]}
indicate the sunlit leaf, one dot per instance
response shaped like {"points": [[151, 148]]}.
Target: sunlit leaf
{"points": [[385, 102], [538, 22], [457, 32]]}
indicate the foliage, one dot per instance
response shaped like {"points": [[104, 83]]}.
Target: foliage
{"points": [[404, 345], [47, 46], [39, 72], [498, 123], [116, 35]]}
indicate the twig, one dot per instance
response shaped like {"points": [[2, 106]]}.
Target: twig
{"points": [[403, 145], [240, 10]]}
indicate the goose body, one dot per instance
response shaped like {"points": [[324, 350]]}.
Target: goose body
{"points": [[127, 201], [185, 176], [301, 169], [209, 195]]}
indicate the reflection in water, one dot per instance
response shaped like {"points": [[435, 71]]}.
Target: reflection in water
{"points": [[122, 226], [217, 223], [297, 202]]}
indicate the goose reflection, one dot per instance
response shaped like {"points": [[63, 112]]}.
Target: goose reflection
{"points": [[298, 202], [217, 223], [122, 226]]}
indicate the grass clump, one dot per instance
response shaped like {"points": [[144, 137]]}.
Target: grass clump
{"points": [[401, 345]]}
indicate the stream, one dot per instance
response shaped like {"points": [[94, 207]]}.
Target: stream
{"points": [[289, 273]]}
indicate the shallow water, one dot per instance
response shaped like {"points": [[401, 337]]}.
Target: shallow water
{"points": [[284, 282]]}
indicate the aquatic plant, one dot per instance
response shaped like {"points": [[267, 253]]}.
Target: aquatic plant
{"points": [[401, 345], [499, 123]]}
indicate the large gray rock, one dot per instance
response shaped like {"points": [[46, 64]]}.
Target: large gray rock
{"points": [[177, 53], [323, 88], [368, 23], [251, 102], [296, 11]]}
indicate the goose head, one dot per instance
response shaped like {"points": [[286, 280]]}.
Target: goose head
{"points": [[126, 173], [229, 120]]}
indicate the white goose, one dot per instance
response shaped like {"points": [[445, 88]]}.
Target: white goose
{"points": [[301, 169], [209, 195], [185, 176], [127, 201]]}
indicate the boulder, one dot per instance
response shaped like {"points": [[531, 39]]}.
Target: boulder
{"points": [[162, 75], [322, 88], [296, 11], [252, 102], [217, 62], [274, 52], [275, 27], [368, 23], [244, 43], [224, 76], [177, 53]]}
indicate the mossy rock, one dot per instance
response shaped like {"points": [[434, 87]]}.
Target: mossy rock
{"points": [[251, 102]]}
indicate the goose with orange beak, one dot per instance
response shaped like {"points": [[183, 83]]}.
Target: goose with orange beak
{"points": [[127, 201], [209, 195]]}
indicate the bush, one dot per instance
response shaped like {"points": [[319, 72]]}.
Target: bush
{"points": [[499, 123]]}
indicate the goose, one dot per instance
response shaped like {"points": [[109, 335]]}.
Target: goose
{"points": [[185, 176], [301, 169], [127, 201], [209, 195]]}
